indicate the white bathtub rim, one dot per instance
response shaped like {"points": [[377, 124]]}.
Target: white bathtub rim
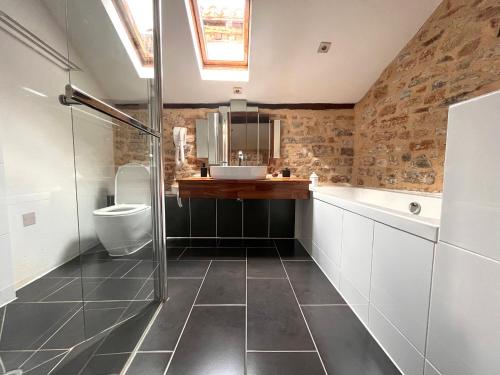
{"points": [[424, 227]]}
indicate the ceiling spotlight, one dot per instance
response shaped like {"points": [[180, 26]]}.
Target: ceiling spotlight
{"points": [[324, 47], [237, 90]]}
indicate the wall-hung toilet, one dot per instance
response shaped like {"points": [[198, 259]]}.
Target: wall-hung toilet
{"points": [[125, 227]]}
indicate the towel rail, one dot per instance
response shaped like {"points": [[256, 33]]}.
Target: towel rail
{"points": [[74, 95]]}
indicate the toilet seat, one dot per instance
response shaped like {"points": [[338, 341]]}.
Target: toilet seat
{"points": [[121, 210]]}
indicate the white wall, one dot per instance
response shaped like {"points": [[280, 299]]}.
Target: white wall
{"points": [[37, 142], [7, 291], [464, 327]]}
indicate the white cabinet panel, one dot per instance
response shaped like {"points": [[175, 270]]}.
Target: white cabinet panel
{"points": [[357, 241], [471, 196], [329, 268], [357, 302], [408, 359], [327, 229], [464, 325], [401, 279]]}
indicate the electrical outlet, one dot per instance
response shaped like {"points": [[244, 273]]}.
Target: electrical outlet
{"points": [[29, 219]]}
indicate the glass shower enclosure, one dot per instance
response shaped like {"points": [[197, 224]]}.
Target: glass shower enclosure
{"points": [[81, 180]]}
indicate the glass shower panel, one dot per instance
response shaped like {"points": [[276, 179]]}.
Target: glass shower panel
{"points": [[113, 181]]}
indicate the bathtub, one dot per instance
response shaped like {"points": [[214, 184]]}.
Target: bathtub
{"points": [[379, 256], [389, 207]]}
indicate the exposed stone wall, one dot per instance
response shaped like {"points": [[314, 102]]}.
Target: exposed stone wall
{"points": [[311, 140], [401, 121]]}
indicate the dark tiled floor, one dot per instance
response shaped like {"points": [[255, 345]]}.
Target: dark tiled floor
{"points": [[254, 307], [234, 307], [76, 301]]}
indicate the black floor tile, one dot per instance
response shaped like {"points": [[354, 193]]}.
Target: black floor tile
{"points": [[125, 336], [167, 327], [214, 253], [106, 364], [256, 218], [284, 363], [177, 242], [264, 263], [174, 252], [143, 270], [292, 249], [149, 363], [27, 325], [229, 218], [246, 242], [213, 342], [42, 359], [224, 284], [203, 217], [116, 289], [84, 325], [45, 367], [282, 218], [74, 291], [102, 268], [191, 268], [310, 284], [26, 360], [192, 242], [39, 289], [344, 344], [72, 268], [274, 318]]}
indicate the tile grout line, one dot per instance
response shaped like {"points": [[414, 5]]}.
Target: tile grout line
{"points": [[71, 316], [131, 357], [303, 316], [57, 290], [187, 319], [125, 274], [47, 361], [181, 254]]}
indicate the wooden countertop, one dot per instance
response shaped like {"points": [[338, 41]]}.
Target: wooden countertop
{"points": [[269, 188]]}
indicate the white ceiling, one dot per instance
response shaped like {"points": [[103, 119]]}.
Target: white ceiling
{"points": [[284, 65]]}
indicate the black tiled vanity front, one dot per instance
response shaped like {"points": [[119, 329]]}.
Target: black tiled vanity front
{"points": [[207, 217]]}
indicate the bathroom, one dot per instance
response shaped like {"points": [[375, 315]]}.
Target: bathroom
{"points": [[249, 187]]}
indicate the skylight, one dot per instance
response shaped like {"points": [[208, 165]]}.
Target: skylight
{"points": [[133, 21], [221, 33]]}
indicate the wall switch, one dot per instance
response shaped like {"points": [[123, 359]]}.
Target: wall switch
{"points": [[29, 219]]}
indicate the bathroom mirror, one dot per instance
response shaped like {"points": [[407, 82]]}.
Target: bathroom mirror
{"points": [[238, 135], [250, 138]]}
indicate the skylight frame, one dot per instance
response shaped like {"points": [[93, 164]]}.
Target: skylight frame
{"points": [[146, 58], [221, 64]]}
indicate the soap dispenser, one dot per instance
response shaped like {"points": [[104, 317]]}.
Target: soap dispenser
{"points": [[203, 170]]}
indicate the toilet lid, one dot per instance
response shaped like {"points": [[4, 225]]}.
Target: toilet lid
{"points": [[132, 184]]}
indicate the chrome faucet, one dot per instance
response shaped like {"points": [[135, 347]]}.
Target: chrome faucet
{"points": [[241, 157]]}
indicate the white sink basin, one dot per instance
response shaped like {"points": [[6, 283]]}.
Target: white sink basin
{"points": [[238, 173]]}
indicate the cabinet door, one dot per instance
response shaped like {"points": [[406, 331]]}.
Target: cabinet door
{"points": [[327, 229], [357, 241], [401, 280]]}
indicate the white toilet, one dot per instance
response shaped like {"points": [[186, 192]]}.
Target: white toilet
{"points": [[125, 227]]}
